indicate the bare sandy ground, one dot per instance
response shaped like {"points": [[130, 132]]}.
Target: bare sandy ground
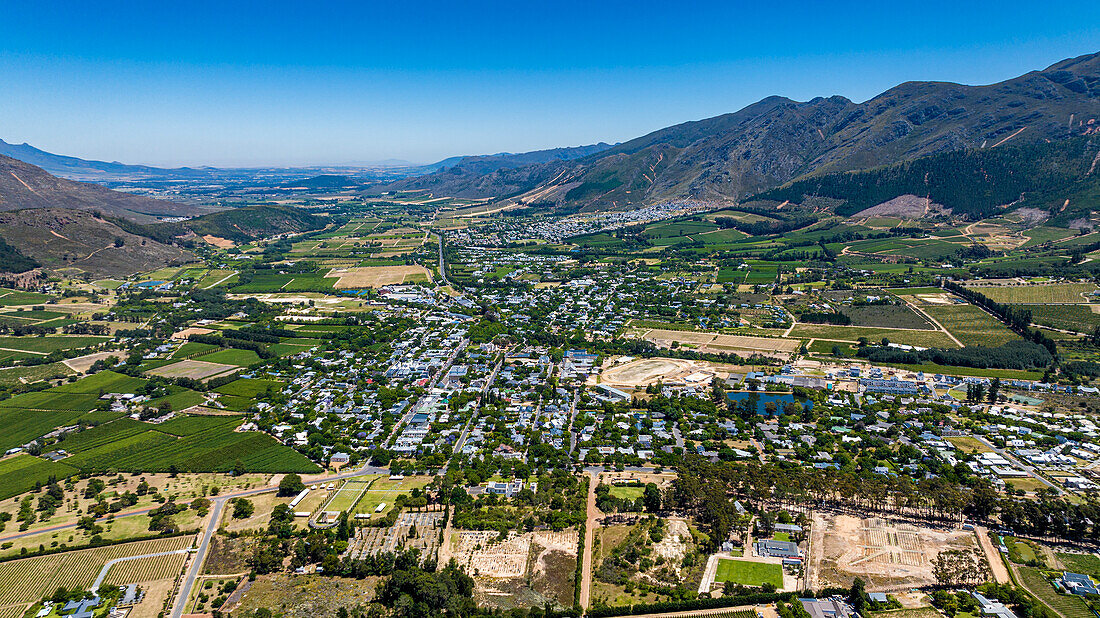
{"points": [[81, 364], [887, 555], [221, 243], [646, 371], [376, 276], [717, 342], [194, 369]]}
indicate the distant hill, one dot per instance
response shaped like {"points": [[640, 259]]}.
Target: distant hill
{"points": [[466, 176], [777, 140], [80, 240], [24, 186]]}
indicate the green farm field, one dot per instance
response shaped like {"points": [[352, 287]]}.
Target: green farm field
{"points": [[231, 356], [28, 579], [971, 325], [18, 426], [922, 338], [1066, 605], [1078, 318], [1039, 294], [19, 473], [1089, 564], [189, 443], [50, 343], [248, 387], [891, 316], [33, 373]]}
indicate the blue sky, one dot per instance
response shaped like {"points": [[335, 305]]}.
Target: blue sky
{"points": [[274, 83]]}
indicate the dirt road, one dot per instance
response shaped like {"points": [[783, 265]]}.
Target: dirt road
{"points": [[589, 537], [1000, 573], [765, 611]]}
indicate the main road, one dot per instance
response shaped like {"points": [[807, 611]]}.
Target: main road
{"points": [[200, 556], [473, 417]]}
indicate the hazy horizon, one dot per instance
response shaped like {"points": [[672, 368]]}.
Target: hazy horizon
{"points": [[271, 85]]}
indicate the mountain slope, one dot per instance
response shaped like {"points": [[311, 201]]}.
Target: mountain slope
{"points": [[24, 186], [63, 238], [777, 140], [1059, 177]]}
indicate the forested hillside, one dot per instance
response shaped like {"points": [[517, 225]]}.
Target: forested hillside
{"points": [[973, 183]]}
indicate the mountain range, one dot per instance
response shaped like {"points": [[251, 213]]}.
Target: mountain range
{"points": [[728, 158]]}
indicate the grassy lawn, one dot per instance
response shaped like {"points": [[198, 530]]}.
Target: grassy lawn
{"points": [[1020, 551], [968, 444], [1028, 484], [633, 493], [749, 573]]}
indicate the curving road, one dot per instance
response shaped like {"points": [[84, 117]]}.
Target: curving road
{"points": [[110, 563]]}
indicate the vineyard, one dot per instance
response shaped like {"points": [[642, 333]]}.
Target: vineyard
{"points": [[20, 473], [101, 435], [190, 443], [28, 579], [145, 570], [191, 425]]}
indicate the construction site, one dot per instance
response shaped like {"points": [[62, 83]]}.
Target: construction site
{"points": [[412, 530], [886, 555], [532, 567]]}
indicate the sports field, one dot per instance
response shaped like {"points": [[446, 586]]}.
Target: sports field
{"points": [[348, 494], [385, 491], [749, 573]]}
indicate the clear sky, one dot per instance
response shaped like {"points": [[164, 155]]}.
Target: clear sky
{"points": [[276, 83]]}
